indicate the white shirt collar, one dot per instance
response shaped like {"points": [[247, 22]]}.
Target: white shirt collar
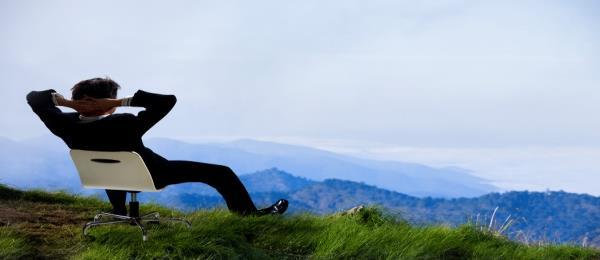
{"points": [[87, 119]]}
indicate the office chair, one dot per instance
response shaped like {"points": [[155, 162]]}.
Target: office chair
{"points": [[120, 170]]}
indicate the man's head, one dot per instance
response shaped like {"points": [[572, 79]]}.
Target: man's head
{"points": [[95, 88]]}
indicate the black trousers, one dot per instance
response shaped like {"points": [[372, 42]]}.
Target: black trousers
{"points": [[220, 177]]}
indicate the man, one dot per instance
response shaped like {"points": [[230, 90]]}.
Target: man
{"points": [[95, 127]]}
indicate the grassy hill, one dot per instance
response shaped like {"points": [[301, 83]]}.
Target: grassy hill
{"points": [[37, 224], [554, 216]]}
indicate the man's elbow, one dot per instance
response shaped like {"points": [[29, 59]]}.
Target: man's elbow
{"points": [[172, 100], [31, 97], [36, 97]]}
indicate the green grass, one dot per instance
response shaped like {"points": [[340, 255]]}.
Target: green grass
{"points": [[13, 245], [217, 234]]}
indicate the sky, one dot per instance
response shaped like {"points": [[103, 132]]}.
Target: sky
{"points": [[508, 89]]}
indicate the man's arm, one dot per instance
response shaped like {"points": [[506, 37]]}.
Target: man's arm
{"points": [[157, 106], [43, 103]]}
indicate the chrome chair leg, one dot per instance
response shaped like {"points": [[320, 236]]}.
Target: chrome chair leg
{"points": [[99, 215], [149, 217], [183, 221], [155, 217], [153, 213], [142, 228], [152, 217], [89, 225]]}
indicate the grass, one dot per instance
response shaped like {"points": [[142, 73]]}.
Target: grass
{"points": [[13, 245], [55, 232]]}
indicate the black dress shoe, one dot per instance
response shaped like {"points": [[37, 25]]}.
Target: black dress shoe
{"points": [[276, 209]]}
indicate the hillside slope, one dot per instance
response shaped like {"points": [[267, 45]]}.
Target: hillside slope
{"points": [[37, 224], [556, 216]]}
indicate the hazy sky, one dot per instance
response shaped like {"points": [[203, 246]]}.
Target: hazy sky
{"points": [[374, 76]]}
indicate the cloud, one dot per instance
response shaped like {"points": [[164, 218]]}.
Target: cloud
{"points": [[431, 72]]}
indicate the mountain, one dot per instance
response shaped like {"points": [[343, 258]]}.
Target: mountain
{"points": [[540, 216], [44, 162], [246, 156], [37, 163], [274, 180]]}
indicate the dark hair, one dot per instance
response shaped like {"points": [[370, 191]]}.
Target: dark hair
{"points": [[96, 88]]}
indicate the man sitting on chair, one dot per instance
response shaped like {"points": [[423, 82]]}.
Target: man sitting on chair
{"points": [[95, 127]]}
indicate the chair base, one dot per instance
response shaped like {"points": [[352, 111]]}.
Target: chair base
{"points": [[152, 217]]}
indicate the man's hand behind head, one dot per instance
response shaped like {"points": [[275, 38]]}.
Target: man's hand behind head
{"points": [[89, 106]]}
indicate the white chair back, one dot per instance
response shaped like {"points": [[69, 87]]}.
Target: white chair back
{"points": [[120, 170]]}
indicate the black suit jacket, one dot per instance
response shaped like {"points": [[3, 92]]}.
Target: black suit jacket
{"points": [[116, 132]]}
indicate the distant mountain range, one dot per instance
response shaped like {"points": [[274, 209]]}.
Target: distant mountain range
{"points": [[246, 156], [45, 162], [535, 216], [325, 182]]}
